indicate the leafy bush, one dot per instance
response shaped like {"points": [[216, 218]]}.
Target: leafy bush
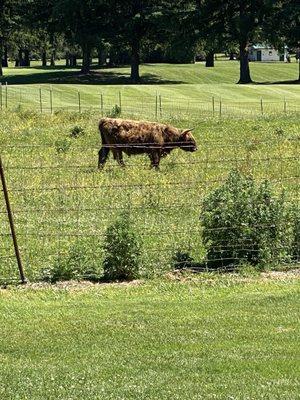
{"points": [[296, 234], [245, 222], [82, 261], [115, 111], [182, 260], [77, 131], [122, 251]]}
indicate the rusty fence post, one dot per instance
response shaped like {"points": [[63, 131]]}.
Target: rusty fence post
{"points": [[11, 223]]}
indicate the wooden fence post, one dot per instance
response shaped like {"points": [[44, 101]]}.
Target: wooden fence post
{"points": [[11, 223]]}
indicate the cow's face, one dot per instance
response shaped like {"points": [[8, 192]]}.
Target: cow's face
{"points": [[187, 141]]}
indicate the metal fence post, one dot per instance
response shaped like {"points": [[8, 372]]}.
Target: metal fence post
{"points": [[6, 94], [160, 106], [79, 102], [261, 106], [11, 223], [284, 105], [51, 100], [120, 101], [1, 96], [101, 104], [41, 104], [220, 109], [156, 106], [213, 105]]}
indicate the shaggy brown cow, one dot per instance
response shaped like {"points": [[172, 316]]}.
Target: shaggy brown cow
{"points": [[135, 137]]}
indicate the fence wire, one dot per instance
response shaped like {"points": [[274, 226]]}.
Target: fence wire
{"points": [[61, 200], [48, 99]]}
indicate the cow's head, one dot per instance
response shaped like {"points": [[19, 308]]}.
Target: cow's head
{"points": [[187, 141]]}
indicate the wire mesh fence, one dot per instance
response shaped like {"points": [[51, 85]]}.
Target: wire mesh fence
{"points": [[61, 199], [48, 99]]}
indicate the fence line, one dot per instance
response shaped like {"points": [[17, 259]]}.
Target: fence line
{"points": [[57, 202], [45, 99]]}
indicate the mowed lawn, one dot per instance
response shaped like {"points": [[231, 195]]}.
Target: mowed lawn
{"points": [[196, 338], [274, 82]]}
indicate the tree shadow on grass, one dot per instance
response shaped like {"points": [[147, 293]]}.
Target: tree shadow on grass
{"points": [[289, 82], [61, 75]]}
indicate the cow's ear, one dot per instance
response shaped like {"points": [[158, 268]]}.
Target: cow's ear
{"points": [[185, 134]]}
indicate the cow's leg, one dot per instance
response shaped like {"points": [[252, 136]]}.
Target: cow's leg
{"points": [[155, 159], [102, 156], [118, 156]]}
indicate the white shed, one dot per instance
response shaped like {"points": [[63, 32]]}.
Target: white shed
{"points": [[264, 52]]}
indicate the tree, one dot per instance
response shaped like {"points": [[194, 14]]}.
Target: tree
{"points": [[81, 21], [244, 21], [8, 18], [283, 29]]}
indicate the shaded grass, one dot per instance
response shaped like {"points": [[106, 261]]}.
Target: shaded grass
{"points": [[213, 338]]}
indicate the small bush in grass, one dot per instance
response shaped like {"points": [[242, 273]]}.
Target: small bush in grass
{"points": [[122, 251], [115, 112], [245, 222], [82, 261], [77, 131]]}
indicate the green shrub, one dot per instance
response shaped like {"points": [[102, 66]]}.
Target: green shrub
{"points": [[82, 261], [77, 131], [296, 234], [182, 260], [115, 111], [245, 222], [122, 251]]}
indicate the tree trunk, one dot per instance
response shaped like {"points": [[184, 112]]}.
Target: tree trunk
{"points": [[44, 58], [52, 58], [5, 57], [244, 64], [135, 61], [210, 62], [19, 59], [73, 60], [99, 57], [26, 58], [86, 59], [1, 56]]}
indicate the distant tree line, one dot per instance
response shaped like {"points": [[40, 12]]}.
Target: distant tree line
{"points": [[133, 31]]}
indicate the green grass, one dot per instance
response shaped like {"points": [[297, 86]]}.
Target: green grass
{"points": [[183, 88], [59, 198], [208, 338]]}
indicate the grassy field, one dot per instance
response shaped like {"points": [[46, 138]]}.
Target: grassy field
{"points": [[59, 197], [207, 338], [185, 89]]}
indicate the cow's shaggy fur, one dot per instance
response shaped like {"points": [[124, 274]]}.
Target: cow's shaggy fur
{"points": [[138, 137]]}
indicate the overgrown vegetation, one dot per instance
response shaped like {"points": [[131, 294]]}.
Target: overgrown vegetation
{"points": [[244, 221], [60, 196], [122, 250]]}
